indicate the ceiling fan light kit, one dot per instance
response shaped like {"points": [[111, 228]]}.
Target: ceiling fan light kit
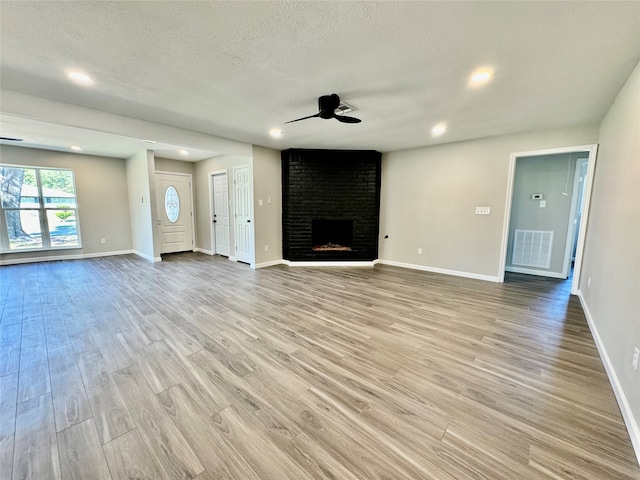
{"points": [[327, 106]]}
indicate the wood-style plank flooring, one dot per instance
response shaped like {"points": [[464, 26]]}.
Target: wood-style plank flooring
{"points": [[199, 367]]}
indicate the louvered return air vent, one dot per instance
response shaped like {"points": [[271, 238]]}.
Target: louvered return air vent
{"points": [[532, 248], [344, 108]]}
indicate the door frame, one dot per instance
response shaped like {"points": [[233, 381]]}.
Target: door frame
{"points": [[252, 255], [571, 227], [592, 154], [193, 205], [211, 210]]}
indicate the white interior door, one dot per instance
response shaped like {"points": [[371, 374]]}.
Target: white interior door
{"points": [[221, 213], [243, 198], [581, 174], [175, 215]]}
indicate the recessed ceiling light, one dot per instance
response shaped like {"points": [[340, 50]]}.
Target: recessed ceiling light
{"points": [[275, 132], [439, 129], [480, 77], [80, 78], [183, 152], [76, 148]]}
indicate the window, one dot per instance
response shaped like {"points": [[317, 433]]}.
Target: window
{"points": [[38, 209]]}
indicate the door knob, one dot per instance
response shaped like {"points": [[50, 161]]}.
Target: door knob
{"points": [[248, 221]]}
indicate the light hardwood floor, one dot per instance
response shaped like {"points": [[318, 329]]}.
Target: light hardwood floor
{"points": [[199, 367]]}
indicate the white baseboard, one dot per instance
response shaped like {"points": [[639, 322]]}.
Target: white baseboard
{"points": [[268, 264], [53, 258], [329, 264], [529, 271], [202, 250], [457, 273], [627, 414], [147, 257]]}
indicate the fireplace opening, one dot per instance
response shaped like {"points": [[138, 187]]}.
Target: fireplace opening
{"points": [[331, 235]]}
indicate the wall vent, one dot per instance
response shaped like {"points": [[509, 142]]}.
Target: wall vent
{"points": [[344, 108], [532, 248]]}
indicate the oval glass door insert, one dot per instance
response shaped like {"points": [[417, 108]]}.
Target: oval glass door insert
{"points": [[172, 204]]}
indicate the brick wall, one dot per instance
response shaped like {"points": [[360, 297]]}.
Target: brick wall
{"points": [[331, 185]]}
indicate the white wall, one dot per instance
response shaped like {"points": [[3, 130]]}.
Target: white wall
{"points": [[174, 166], [203, 200], [612, 250], [429, 195], [267, 186], [103, 200], [141, 205]]}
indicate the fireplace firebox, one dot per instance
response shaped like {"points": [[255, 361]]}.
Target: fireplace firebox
{"points": [[332, 235]]}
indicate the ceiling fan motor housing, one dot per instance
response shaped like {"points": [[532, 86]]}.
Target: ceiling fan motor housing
{"points": [[327, 105]]}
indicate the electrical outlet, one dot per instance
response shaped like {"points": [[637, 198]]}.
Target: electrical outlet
{"points": [[103, 240], [259, 202], [483, 210], [636, 355], [419, 251], [266, 248]]}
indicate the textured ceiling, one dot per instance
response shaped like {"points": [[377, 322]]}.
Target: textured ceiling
{"points": [[238, 69]]}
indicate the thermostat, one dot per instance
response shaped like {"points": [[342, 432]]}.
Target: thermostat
{"points": [[537, 196]]}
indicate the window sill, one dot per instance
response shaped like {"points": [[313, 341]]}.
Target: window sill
{"points": [[32, 250]]}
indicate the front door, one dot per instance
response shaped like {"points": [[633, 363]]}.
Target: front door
{"points": [[243, 196], [220, 214], [175, 215]]}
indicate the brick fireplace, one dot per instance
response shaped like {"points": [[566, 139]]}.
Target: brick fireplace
{"points": [[330, 205]]}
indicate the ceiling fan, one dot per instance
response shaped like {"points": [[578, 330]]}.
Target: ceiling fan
{"points": [[327, 105]]}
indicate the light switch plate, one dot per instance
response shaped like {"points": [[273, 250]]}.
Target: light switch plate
{"points": [[483, 210], [543, 203]]}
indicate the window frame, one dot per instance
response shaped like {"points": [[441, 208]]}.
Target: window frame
{"points": [[41, 207]]}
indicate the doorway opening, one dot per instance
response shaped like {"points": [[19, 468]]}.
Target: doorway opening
{"points": [[528, 244]]}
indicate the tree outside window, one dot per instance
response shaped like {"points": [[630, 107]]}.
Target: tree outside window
{"points": [[38, 209]]}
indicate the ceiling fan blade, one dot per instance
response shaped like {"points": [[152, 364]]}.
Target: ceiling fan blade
{"points": [[327, 104], [345, 119], [303, 118]]}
